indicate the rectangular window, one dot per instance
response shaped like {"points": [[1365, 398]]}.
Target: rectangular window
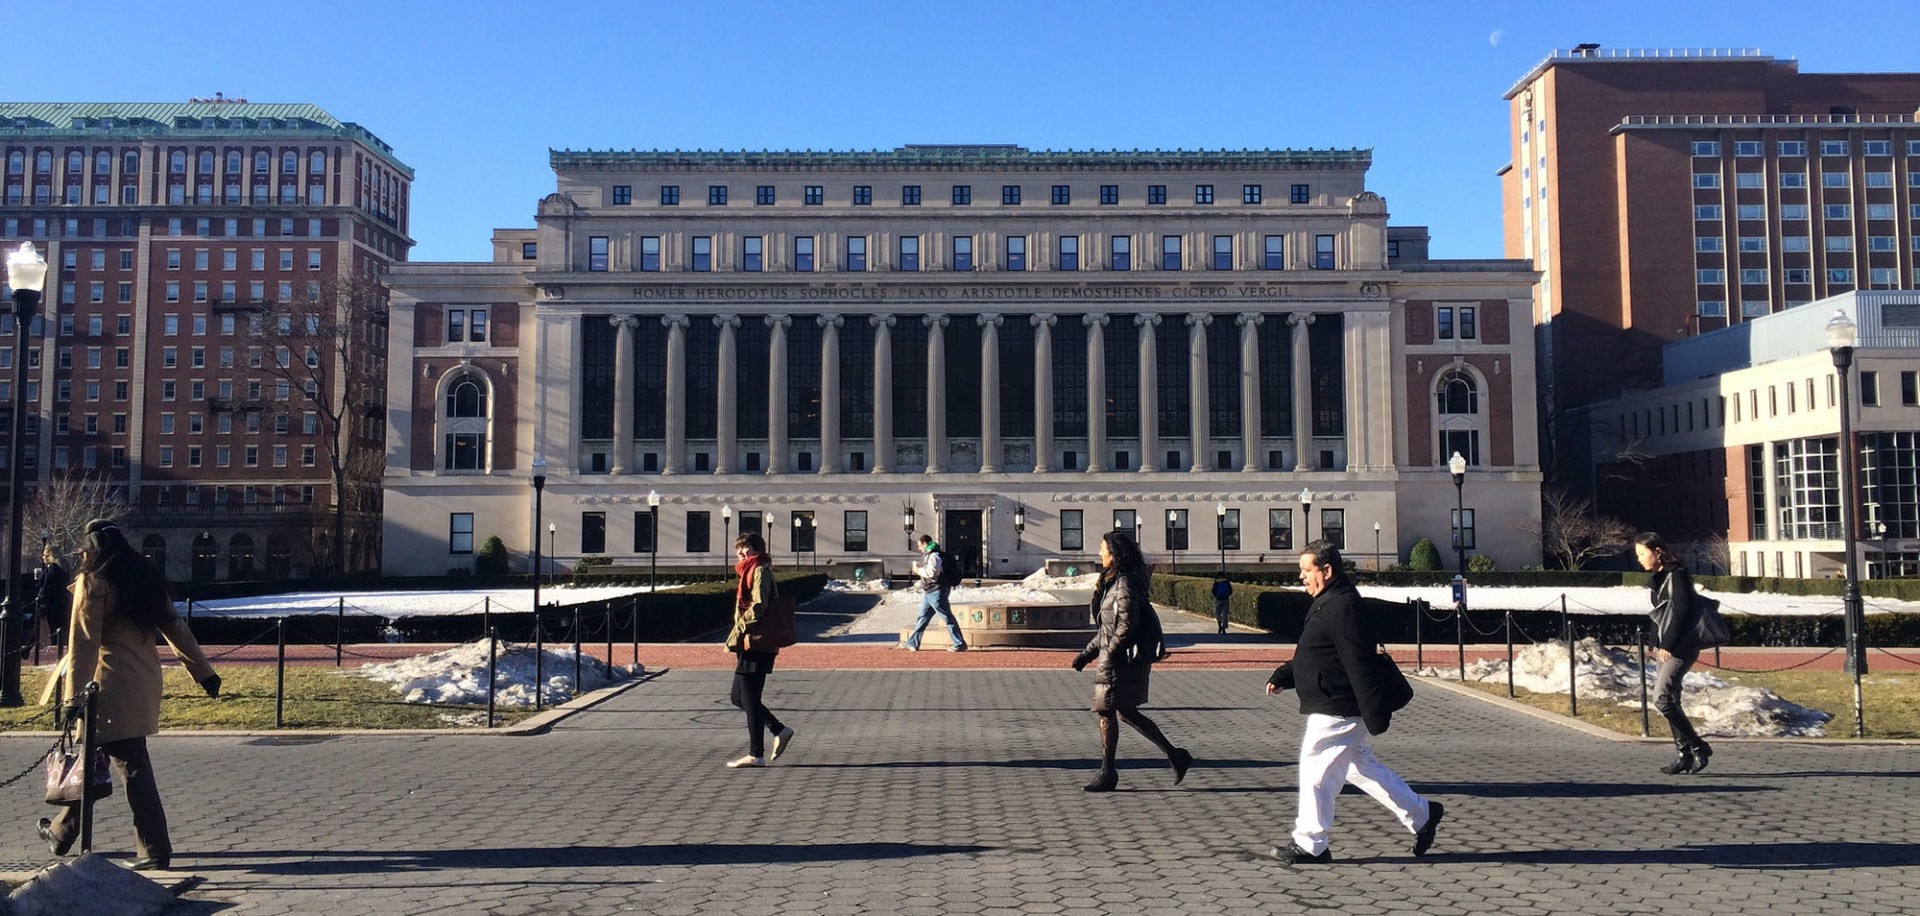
{"points": [[1177, 530], [1279, 529], [1706, 179], [1069, 252], [1072, 529], [1120, 251], [456, 325], [1109, 195], [856, 252], [1443, 323], [909, 253], [459, 532], [643, 533], [962, 253], [1223, 252], [1749, 180], [1753, 245], [853, 531], [716, 195], [1468, 329], [1249, 193], [1016, 252], [1170, 252], [752, 253], [1706, 212], [1274, 253], [1711, 277], [910, 195], [597, 253], [622, 195], [862, 195], [1706, 243], [1833, 147], [669, 195], [1203, 194], [813, 196], [699, 532], [803, 253], [763, 195], [1869, 391], [1706, 148], [1747, 148], [1833, 179], [1910, 389], [1062, 194], [593, 532], [702, 253], [1793, 179], [962, 195], [650, 253], [1156, 194], [1793, 147], [1009, 194], [1323, 252]]}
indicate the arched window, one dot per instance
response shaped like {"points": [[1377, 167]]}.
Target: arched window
{"points": [[16, 162], [233, 163], [289, 163], [466, 399], [103, 163], [261, 162], [206, 162], [206, 557], [1457, 393], [240, 557], [75, 162], [43, 163], [154, 548], [177, 163], [317, 163], [130, 163], [465, 423]]}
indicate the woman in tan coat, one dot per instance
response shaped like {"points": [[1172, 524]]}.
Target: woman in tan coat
{"points": [[120, 604], [754, 663]]}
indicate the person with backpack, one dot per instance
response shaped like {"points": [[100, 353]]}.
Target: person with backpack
{"points": [[1222, 590], [1129, 640], [1344, 701], [938, 575], [755, 662]]}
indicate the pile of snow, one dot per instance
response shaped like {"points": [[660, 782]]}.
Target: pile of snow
{"points": [[391, 604], [1040, 581], [459, 675], [1626, 599], [899, 608], [1607, 674], [859, 585]]}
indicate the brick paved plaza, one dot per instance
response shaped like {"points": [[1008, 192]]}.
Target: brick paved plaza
{"points": [[957, 791]]}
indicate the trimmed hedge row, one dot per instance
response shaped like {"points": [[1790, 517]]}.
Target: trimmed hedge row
{"points": [[663, 617], [1282, 612]]}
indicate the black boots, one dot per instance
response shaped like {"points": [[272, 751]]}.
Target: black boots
{"points": [[1701, 752], [1683, 762], [1104, 782]]}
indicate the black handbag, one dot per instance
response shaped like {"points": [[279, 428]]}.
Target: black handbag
{"points": [[1395, 690], [1710, 630]]}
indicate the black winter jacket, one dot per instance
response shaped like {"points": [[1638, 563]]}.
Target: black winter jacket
{"points": [[1328, 669], [1673, 609]]}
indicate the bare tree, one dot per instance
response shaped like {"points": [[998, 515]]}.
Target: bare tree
{"points": [[62, 505], [326, 353], [1571, 531]]}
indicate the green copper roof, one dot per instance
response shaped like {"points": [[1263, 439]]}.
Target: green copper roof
{"points": [[205, 118], [960, 156]]}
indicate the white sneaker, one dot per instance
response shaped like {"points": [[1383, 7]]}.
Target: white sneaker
{"points": [[959, 648], [780, 742], [747, 761]]}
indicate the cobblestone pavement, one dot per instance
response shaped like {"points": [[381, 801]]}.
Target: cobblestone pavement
{"points": [[958, 791]]}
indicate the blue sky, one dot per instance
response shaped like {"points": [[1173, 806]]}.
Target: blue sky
{"points": [[473, 94]]}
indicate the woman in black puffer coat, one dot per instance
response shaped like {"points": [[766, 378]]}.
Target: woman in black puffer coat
{"points": [[1673, 612], [1126, 645]]}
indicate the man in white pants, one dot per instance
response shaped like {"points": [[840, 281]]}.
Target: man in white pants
{"points": [[1343, 704]]}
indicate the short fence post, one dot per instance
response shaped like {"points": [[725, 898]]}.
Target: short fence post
{"points": [[609, 613], [280, 674], [92, 694], [1419, 650], [1573, 691], [576, 650], [1460, 637], [486, 616], [1646, 724], [539, 660], [339, 632], [633, 608], [493, 668], [1509, 655]]}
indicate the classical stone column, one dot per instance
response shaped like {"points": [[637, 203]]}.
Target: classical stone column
{"points": [[882, 392], [936, 392], [1368, 341], [676, 405], [623, 392], [1043, 391], [830, 392], [1250, 390], [1096, 391], [990, 392], [1302, 392], [727, 448], [1149, 358], [1197, 397], [777, 395]]}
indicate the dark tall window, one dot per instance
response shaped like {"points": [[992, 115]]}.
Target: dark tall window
{"points": [[598, 340], [803, 253], [1223, 252], [1274, 255], [1069, 377], [699, 532], [1069, 252], [1169, 252], [643, 533], [853, 537], [596, 253], [1223, 377], [1276, 377], [856, 252], [1122, 253], [593, 532], [963, 376], [1323, 252], [909, 378], [702, 258], [803, 378], [1123, 378], [1327, 371], [1016, 377], [856, 378], [650, 379], [650, 253], [752, 253], [754, 342], [703, 379], [909, 253], [962, 253], [1176, 370]]}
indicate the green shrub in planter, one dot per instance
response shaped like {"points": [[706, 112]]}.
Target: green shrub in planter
{"points": [[492, 558], [1480, 563], [1425, 557]]}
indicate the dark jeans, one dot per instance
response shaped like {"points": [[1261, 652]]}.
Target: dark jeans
{"points": [[1666, 697], [134, 770], [747, 688]]}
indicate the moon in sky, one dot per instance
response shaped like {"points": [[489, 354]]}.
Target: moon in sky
{"points": [[1494, 38]]}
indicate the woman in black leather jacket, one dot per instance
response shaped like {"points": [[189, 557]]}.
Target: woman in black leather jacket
{"points": [[1126, 646], [1673, 611]]}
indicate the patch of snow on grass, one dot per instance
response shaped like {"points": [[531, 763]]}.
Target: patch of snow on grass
{"points": [[459, 675]]}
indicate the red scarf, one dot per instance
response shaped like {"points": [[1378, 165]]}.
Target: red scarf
{"points": [[745, 569]]}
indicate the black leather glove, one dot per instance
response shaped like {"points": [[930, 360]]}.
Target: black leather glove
{"points": [[1080, 661], [211, 685]]}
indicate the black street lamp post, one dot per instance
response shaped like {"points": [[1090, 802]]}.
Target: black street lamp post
{"points": [[906, 521], [27, 275], [1457, 465], [1376, 547], [1306, 516], [1841, 337], [553, 545], [1019, 524], [539, 489], [653, 541], [726, 534], [1220, 534], [1173, 543]]}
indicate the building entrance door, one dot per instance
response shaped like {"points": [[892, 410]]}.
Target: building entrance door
{"points": [[963, 537]]}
